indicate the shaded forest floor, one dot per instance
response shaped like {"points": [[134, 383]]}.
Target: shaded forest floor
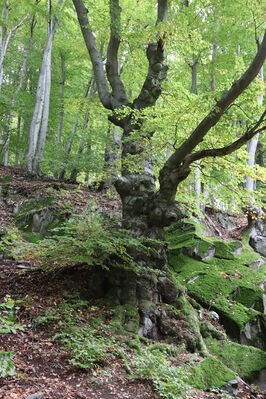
{"points": [[43, 303], [42, 365]]}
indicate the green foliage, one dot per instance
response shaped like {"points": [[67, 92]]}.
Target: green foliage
{"points": [[7, 366], [86, 239], [8, 317], [154, 366], [87, 348], [9, 239]]}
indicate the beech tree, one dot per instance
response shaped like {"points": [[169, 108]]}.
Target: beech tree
{"points": [[146, 208]]}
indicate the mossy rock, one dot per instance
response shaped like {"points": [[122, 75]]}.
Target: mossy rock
{"points": [[246, 361], [225, 250], [210, 373], [26, 212], [249, 297], [125, 319], [214, 283]]}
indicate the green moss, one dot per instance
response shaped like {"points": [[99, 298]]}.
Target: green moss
{"points": [[32, 237], [244, 360], [215, 282], [125, 319], [5, 179], [249, 297], [211, 373], [225, 249]]}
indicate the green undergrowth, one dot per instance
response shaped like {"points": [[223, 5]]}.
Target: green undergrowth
{"points": [[244, 360], [9, 325], [87, 332], [82, 239]]}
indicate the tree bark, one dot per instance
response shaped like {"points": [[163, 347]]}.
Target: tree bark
{"points": [[40, 116], [5, 36], [252, 144], [145, 210], [22, 76], [62, 88]]}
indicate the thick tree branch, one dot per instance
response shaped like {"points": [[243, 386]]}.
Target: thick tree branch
{"points": [[157, 71], [169, 174], [112, 67], [226, 150], [102, 87], [220, 107]]}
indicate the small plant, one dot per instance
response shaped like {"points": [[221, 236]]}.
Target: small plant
{"points": [[9, 239], [88, 350], [154, 366], [49, 315], [85, 239], [7, 367], [8, 317]]}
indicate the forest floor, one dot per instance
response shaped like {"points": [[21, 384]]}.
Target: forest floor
{"points": [[42, 364]]}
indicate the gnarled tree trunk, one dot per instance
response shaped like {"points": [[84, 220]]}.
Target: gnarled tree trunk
{"points": [[146, 209]]}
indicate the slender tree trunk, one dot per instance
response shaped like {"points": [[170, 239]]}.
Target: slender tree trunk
{"points": [[74, 173], [252, 145], [61, 113], [41, 110], [197, 174], [5, 36], [18, 149], [62, 88], [22, 76], [74, 129], [45, 118]]}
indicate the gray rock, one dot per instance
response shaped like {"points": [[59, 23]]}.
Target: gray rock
{"points": [[238, 249], [226, 222], [258, 242], [37, 395], [257, 238], [257, 264]]}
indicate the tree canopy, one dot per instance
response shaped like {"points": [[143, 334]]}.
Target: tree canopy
{"points": [[160, 71]]}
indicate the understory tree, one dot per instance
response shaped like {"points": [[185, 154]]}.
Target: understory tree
{"points": [[148, 208]]}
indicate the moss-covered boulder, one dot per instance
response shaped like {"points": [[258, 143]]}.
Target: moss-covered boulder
{"points": [[222, 282], [210, 373], [246, 361]]}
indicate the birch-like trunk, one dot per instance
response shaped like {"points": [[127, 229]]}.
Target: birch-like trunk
{"points": [[38, 110], [252, 145], [12, 108], [5, 36], [45, 118], [40, 116]]}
